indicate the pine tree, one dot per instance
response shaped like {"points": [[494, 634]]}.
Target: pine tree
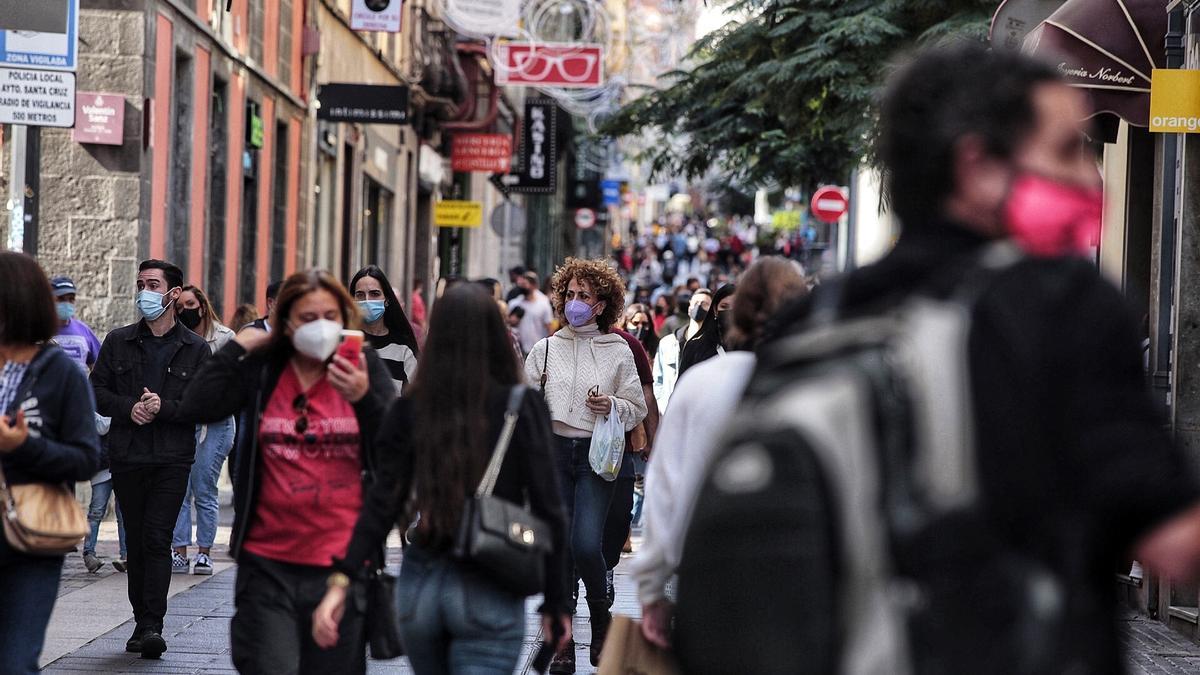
{"points": [[783, 95]]}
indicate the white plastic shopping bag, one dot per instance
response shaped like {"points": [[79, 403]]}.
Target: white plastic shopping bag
{"points": [[608, 445]]}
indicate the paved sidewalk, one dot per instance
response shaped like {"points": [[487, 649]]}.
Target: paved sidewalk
{"points": [[197, 633], [1154, 649]]}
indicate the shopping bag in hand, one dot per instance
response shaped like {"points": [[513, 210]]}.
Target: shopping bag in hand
{"points": [[626, 652], [608, 444]]}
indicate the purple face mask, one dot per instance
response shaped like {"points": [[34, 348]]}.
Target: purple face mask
{"points": [[578, 313]]}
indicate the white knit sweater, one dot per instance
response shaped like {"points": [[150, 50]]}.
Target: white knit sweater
{"points": [[576, 364]]}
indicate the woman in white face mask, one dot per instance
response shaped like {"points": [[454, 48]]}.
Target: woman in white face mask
{"points": [[299, 487]]}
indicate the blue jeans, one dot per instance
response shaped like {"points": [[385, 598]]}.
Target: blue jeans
{"points": [[202, 486], [586, 498], [96, 509], [452, 620], [28, 586], [639, 493]]}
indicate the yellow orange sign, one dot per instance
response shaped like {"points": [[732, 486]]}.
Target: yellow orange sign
{"points": [[1175, 101], [452, 213]]}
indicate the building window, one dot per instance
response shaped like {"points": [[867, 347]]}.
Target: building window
{"points": [[279, 194], [285, 40], [218, 152], [377, 212], [248, 252], [180, 196]]}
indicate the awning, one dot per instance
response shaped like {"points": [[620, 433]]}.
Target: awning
{"points": [[1109, 48]]}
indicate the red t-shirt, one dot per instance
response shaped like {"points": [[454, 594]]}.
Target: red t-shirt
{"points": [[312, 482]]}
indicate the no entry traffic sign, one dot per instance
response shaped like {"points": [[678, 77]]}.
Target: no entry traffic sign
{"points": [[585, 219], [829, 204]]}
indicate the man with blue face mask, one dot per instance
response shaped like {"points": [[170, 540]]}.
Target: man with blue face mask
{"points": [[139, 379]]}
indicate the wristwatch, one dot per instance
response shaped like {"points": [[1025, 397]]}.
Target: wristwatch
{"points": [[337, 580]]}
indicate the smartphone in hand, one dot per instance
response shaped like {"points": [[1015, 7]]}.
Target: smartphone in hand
{"points": [[351, 346]]}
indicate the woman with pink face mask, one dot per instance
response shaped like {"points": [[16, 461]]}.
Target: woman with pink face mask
{"points": [[586, 374]]}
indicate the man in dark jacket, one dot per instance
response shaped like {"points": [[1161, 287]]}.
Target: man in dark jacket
{"points": [[141, 374], [1074, 464]]}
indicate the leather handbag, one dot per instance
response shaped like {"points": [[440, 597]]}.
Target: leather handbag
{"points": [[383, 623], [503, 540], [40, 518]]}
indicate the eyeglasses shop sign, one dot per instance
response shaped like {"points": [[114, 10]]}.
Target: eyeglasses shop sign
{"points": [[1175, 101], [37, 98], [376, 15]]}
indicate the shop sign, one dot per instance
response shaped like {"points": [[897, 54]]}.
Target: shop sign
{"points": [[99, 119], [552, 64], [37, 98], [1175, 101], [381, 16], [363, 103], [484, 153], [257, 131], [454, 213]]}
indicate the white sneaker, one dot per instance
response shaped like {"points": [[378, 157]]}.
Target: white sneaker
{"points": [[179, 564], [1136, 571], [203, 565]]}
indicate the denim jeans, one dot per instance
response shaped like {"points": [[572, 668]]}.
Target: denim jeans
{"points": [[202, 486], [28, 586], [586, 498], [639, 492], [99, 505], [453, 620], [620, 512]]}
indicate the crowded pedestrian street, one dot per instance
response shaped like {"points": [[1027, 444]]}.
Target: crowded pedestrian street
{"points": [[655, 337]]}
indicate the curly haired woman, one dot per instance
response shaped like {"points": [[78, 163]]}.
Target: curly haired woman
{"points": [[583, 370]]}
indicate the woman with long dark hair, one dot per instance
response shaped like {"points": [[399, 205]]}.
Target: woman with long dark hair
{"points": [[299, 483], [710, 340], [385, 324], [435, 443], [639, 323], [213, 443], [47, 435]]}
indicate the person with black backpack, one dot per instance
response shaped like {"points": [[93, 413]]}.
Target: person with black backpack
{"points": [[940, 456]]}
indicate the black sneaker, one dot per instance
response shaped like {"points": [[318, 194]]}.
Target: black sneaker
{"points": [[564, 660], [120, 565], [153, 644], [134, 643]]}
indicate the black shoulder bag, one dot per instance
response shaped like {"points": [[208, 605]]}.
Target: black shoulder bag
{"points": [[503, 540]]}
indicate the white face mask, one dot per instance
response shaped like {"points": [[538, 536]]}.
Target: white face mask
{"points": [[317, 339]]}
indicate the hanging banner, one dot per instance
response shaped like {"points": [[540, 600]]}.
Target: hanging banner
{"points": [[483, 153], [551, 64], [539, 146], [381, 16]]}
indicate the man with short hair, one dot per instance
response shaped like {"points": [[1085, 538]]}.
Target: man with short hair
{"points": [[264, 322], [514, 276], [74, 336], [141, 374], [1075, 467], [535, 324]]}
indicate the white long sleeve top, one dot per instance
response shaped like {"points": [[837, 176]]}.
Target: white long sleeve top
{"points": [[578, 361], [704, 399]]}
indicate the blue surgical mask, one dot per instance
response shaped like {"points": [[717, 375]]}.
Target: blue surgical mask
{"points": [[65, 310], [372, 309], [150, 304]]}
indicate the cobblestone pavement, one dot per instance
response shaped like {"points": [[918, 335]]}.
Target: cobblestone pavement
{"points": [[1154, 649]]}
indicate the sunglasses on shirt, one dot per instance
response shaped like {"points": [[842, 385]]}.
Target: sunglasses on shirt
{"points": [[300, 407]]}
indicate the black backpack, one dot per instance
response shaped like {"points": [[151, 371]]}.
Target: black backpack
{"points": [[840, 527]]}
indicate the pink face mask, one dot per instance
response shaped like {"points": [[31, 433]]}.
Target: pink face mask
{"points": [[1049, 218]]}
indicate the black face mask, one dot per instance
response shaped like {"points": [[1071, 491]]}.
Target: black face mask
{"points": [[699, 314], [190, 317], [685, 303], [640, 333], [660, 310]]}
